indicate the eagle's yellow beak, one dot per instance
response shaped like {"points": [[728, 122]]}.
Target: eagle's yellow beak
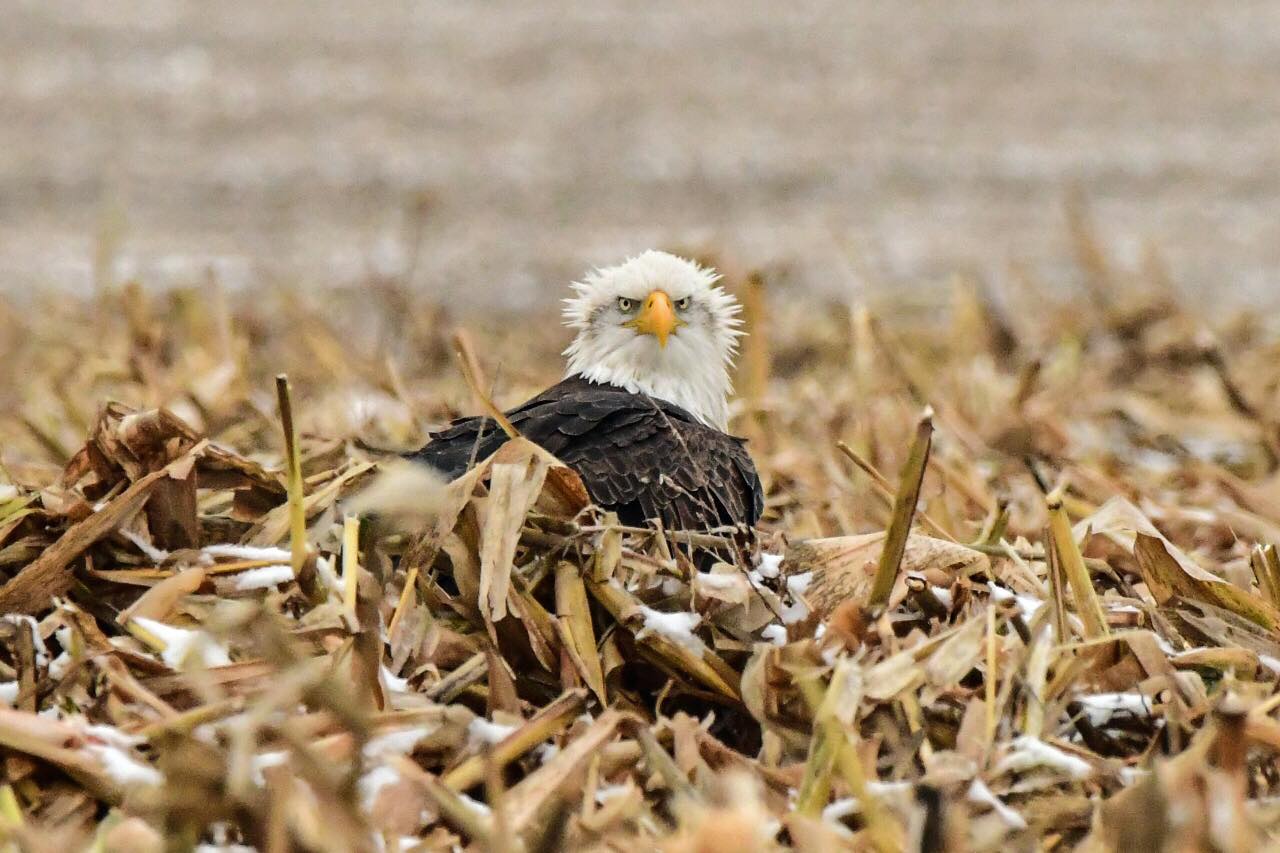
{"points": [[657, 317]]}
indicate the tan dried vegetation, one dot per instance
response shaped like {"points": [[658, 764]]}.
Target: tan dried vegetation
{"points": [[1018, 588]]}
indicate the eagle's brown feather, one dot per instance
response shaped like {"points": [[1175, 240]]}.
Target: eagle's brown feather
{"points": [[640, 457]]}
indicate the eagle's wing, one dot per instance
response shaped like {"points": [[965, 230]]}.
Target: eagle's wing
{"points": [[639, 457]]}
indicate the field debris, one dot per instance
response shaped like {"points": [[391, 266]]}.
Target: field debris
{"points": [[227, 631]]}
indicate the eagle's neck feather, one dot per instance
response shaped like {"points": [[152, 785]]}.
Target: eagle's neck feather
{"points": [[702, 389]]}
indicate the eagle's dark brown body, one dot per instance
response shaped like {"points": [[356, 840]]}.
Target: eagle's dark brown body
{"points": [[640, 457]]}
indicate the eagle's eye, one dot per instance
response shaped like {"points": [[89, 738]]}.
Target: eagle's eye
{"points": [[683, 304], [625, 305]]}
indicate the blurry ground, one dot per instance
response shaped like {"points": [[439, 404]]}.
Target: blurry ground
{"points": [[855, 142]]}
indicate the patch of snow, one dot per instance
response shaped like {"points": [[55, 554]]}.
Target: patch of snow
{"points": [[840, 809], [676, 627], [482, 731], [58, 666], [123, 768], [770, 565], [798, 584], [980, 793], [400, 742], [837, 810], [109, 735], [264, 577], [324, 568], [479, 808], [793, 613], [151, 552], [717, 582], [181, 645], [8, 491], [1123, 608], [775, 633], [262, 761], [372, 783], [9, 693], [1101, 707], [670, 586], [881, 788], [248, 552], [394, 683], [1270, 663], [42, 651], [1131, 775], [1029, 752], [608, 792], [1027, 604], [943, 595]]}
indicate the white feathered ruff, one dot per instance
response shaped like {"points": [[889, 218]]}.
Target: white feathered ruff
{"points": [[692, 371]]}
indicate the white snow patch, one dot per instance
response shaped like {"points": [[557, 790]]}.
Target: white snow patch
{"points": [[605, 793], [479, 808], [793, 613], [9, 693], [394, 683], [122, 767], [670, 586], [372, 783], [770, 565], [1027, 604], [1131, 775], [182, 645], [840, 809], [262, 761], [42, 651], [264, 577], [151, 552], [1270, 663], [676, 627], [798, 584], [1101, 707], [482, 731], [717, 582], [248, 552], [109, 735], [8, 491], [324, 568], [401, 742], [775, 633], [980, 793], [1029, 752]]}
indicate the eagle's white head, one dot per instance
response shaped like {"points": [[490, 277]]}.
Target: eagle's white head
{"points": [[658, 325]]}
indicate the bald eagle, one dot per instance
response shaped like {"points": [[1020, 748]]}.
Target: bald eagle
{"points": [[642, 411]]}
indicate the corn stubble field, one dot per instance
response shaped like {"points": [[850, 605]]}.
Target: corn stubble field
{"points": [[1075, 648]]}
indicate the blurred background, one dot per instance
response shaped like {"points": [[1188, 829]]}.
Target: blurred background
{"points": [[489, 151]]}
